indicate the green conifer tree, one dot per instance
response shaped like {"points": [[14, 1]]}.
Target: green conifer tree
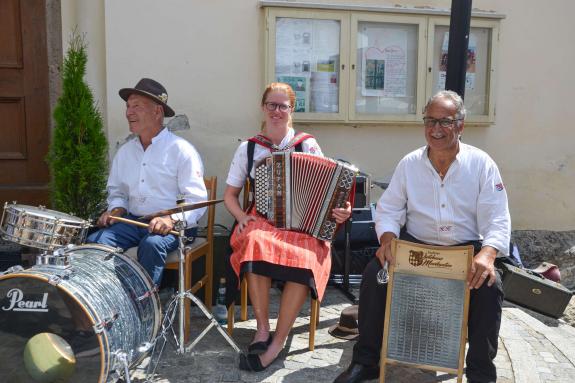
{"points": [[78, 156]]}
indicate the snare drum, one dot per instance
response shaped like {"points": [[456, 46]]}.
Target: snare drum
{"points": [[40, 227], [76, 324]]}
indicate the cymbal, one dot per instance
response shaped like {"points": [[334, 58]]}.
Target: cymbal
{"points": [[181, 208]]}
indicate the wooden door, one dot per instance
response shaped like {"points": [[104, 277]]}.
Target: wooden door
{"points": [[24, 102]]}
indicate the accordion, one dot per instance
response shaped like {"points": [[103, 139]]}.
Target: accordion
{"points": [[297, 191]]}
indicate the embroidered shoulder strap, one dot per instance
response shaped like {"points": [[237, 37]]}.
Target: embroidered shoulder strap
{"points": [[296, 143], [297, 139]]}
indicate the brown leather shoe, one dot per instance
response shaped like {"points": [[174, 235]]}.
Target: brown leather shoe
{"points": [[356, 373]]}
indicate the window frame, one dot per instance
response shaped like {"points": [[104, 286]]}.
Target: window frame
{"points": [[349, 19]]}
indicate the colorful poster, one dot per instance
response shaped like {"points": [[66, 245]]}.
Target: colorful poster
{"points": [[307, 58], [384, 62], [300, 85], [471, 61]]}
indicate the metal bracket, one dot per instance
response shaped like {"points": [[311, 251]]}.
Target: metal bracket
{"points": [[105, 323], [13, 269], [55, 280], [148, 294], [122, 364]]}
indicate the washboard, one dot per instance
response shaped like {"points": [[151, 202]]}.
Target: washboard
{"points": [[426, 308]]}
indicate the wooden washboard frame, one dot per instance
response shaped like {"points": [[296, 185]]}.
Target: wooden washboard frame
{"points": [[435, 267]]}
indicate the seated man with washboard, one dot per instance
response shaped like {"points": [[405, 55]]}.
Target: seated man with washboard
{"points": [[445, 193]]}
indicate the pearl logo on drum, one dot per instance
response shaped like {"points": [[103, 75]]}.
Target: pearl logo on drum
{"points": [[17, 302]]}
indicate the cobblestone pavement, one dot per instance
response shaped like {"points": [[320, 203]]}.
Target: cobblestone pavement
{"points": [[532, 348]]}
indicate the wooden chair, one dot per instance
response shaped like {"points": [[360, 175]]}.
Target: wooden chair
{"points": [[314, 305], [201, 247]]}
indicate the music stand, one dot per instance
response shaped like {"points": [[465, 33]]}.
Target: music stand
{"points": [[176, 305]]}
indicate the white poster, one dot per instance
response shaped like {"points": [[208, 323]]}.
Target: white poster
{"points": [[384, 63], [324, 92], [307, 58], [293, 46], [471, 60]]}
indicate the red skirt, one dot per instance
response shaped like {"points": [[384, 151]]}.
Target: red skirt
{"points": [[261, 241]]}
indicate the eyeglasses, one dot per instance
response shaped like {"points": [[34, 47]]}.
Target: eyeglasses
{"points": [[443, 122], [271, 106]]}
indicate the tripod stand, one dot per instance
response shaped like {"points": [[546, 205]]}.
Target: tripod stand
{"points": [[177, 306]]}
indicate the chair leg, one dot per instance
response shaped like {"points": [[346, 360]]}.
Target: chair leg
{"points": [[187, 303], [313, 321], [244, 300], [231, 312], [210, 280]]}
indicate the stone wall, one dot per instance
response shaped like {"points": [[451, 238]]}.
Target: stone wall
{"points": [[558, 247]]}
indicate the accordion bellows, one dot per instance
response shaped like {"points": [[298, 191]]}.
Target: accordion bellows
{"points": [[297, 191]]}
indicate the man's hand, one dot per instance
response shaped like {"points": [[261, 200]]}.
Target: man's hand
{"points": [[342, 214], [384, 251], [482, 268], [105, 219], [161, 225]]}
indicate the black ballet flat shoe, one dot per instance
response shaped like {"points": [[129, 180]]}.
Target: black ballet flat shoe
{"points": [[260, 347], [252, 362]]}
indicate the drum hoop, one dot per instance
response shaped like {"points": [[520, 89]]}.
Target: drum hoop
{"points": [[102, 337], [34, 243]]}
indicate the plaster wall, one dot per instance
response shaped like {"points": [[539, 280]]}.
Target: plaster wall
{"points": [[209, 55]]}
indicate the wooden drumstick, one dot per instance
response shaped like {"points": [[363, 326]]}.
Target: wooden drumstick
{"points": [[137, 223]]}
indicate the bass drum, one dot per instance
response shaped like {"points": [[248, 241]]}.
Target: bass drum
{"points": [[84, 323]]}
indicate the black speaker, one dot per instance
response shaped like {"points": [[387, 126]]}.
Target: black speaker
{"points": [[359, 258], [362, 190], [362, 229], [363, 242]]}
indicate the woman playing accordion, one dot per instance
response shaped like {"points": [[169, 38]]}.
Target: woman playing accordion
{"points": [[262, 252]]}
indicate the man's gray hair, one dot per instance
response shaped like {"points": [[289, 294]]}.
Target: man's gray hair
{"points": [[451, 96]]}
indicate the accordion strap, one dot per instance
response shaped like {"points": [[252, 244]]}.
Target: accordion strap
{"points": [[297, 139], [295, 142]]}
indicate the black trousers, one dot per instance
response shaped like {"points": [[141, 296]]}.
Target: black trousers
{"points": [[483, 322]]}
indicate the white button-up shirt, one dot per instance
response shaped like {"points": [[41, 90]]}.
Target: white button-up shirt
{"points": [[470, 203], [146, 181], [239, 166]]}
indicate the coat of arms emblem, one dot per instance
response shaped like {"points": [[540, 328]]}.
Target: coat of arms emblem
{"points": [[416, 257]]}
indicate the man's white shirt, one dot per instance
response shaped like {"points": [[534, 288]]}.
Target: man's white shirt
{"points": [[470, 203], [146, 181]]}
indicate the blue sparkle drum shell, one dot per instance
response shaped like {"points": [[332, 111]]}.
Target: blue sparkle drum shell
{"points": [[102, 306]]}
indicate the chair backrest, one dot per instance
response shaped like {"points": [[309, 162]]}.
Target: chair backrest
{"points": [[247, 194]]}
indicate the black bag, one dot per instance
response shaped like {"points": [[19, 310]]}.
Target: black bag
{"points": [[533, 291]]}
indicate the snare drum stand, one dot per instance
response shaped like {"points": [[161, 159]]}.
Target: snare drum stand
{"points": [[177, 304]]}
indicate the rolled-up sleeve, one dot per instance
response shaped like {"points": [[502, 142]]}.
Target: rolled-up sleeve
{"points": [[390, 212], [493, 219]]}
